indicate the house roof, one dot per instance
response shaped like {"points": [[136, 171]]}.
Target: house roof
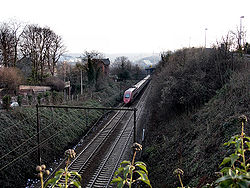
{"points": [[34, 88], [106, 61]]}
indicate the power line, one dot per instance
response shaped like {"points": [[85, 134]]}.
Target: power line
{"points": [[29, 151], [15, 123], [43, 142], [23, 143]]}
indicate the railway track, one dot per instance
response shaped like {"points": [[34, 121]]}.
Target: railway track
{"points": [[82, 160], [100, 158], [104, 173]]}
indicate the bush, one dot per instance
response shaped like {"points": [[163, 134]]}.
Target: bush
{"points": [[6, 102], [70, 124], [55, 83], [39, 97], [46, 96], [57, 97], [30, 99], [212, 90], [19, 100], [189, 78], [10, 78]]}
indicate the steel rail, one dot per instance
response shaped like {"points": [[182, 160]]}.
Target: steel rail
{"points": [[111, 153], [104, 174], [95, 144]]}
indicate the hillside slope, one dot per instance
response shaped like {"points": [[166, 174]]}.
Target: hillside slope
{"points": [[198, 113]]}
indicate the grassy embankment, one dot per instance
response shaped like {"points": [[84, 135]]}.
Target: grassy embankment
{"points": [[60, 129], [196, 100]]}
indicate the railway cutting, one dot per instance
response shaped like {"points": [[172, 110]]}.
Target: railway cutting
{"points": [[101, 156]]}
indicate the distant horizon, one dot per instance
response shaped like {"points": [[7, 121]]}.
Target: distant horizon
{"points": [[112, 56]]}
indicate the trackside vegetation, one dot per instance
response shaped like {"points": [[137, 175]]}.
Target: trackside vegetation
{"points": [[196, 99], [60, 129], [235, 172]]}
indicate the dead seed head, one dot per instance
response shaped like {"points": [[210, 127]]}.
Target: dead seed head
{"points": [[243, 118], [38, 168], [43, 167], [47, 172], [137, 147], [178, 171], [70, 153]]}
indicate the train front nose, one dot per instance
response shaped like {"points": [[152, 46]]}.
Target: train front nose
{"points": [[126, 97], [126, 100]]}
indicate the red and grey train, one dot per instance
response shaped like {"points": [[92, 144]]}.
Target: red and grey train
{"points": [[131, 93]]}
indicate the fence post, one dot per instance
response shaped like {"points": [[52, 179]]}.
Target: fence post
{"points": [[135, 109], [38, 136]]}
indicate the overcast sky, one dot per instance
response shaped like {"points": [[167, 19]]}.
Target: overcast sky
{"points": [[131, 26]]}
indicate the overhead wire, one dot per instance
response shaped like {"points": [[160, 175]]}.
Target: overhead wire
{"points": [[23, 142], [15, 123], [29, 151]]}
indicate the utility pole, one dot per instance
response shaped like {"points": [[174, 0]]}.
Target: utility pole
{"points": [[205, 37], [38, 136], [240, 31], [81, 83]]}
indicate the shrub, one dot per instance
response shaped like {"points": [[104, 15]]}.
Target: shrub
{"points": [[30, 99], [19, 100], [6, 102], [55, 83], [10, 78], [57, 97], [237, 175], [46, 96], [39, 97], [189, 78]]}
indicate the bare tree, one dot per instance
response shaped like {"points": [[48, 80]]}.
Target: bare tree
{"points": [[9, 39], [44, 48], [17, 29], [239, 38], [55, 50], [122, 67], [30, 47], [122, 62], [6, 45]]}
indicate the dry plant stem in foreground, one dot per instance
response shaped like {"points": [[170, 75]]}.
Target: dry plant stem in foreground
{"points": [[69, 177], [179, 172], [124, 175]]}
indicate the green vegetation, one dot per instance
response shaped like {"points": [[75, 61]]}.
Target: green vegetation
{"points": [[126, 175], [70, 177], [19, 100], [237, 175], [6, 102], [60, 129]]}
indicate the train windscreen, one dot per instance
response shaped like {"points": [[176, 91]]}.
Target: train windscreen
{"points": [[127, 95]]}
